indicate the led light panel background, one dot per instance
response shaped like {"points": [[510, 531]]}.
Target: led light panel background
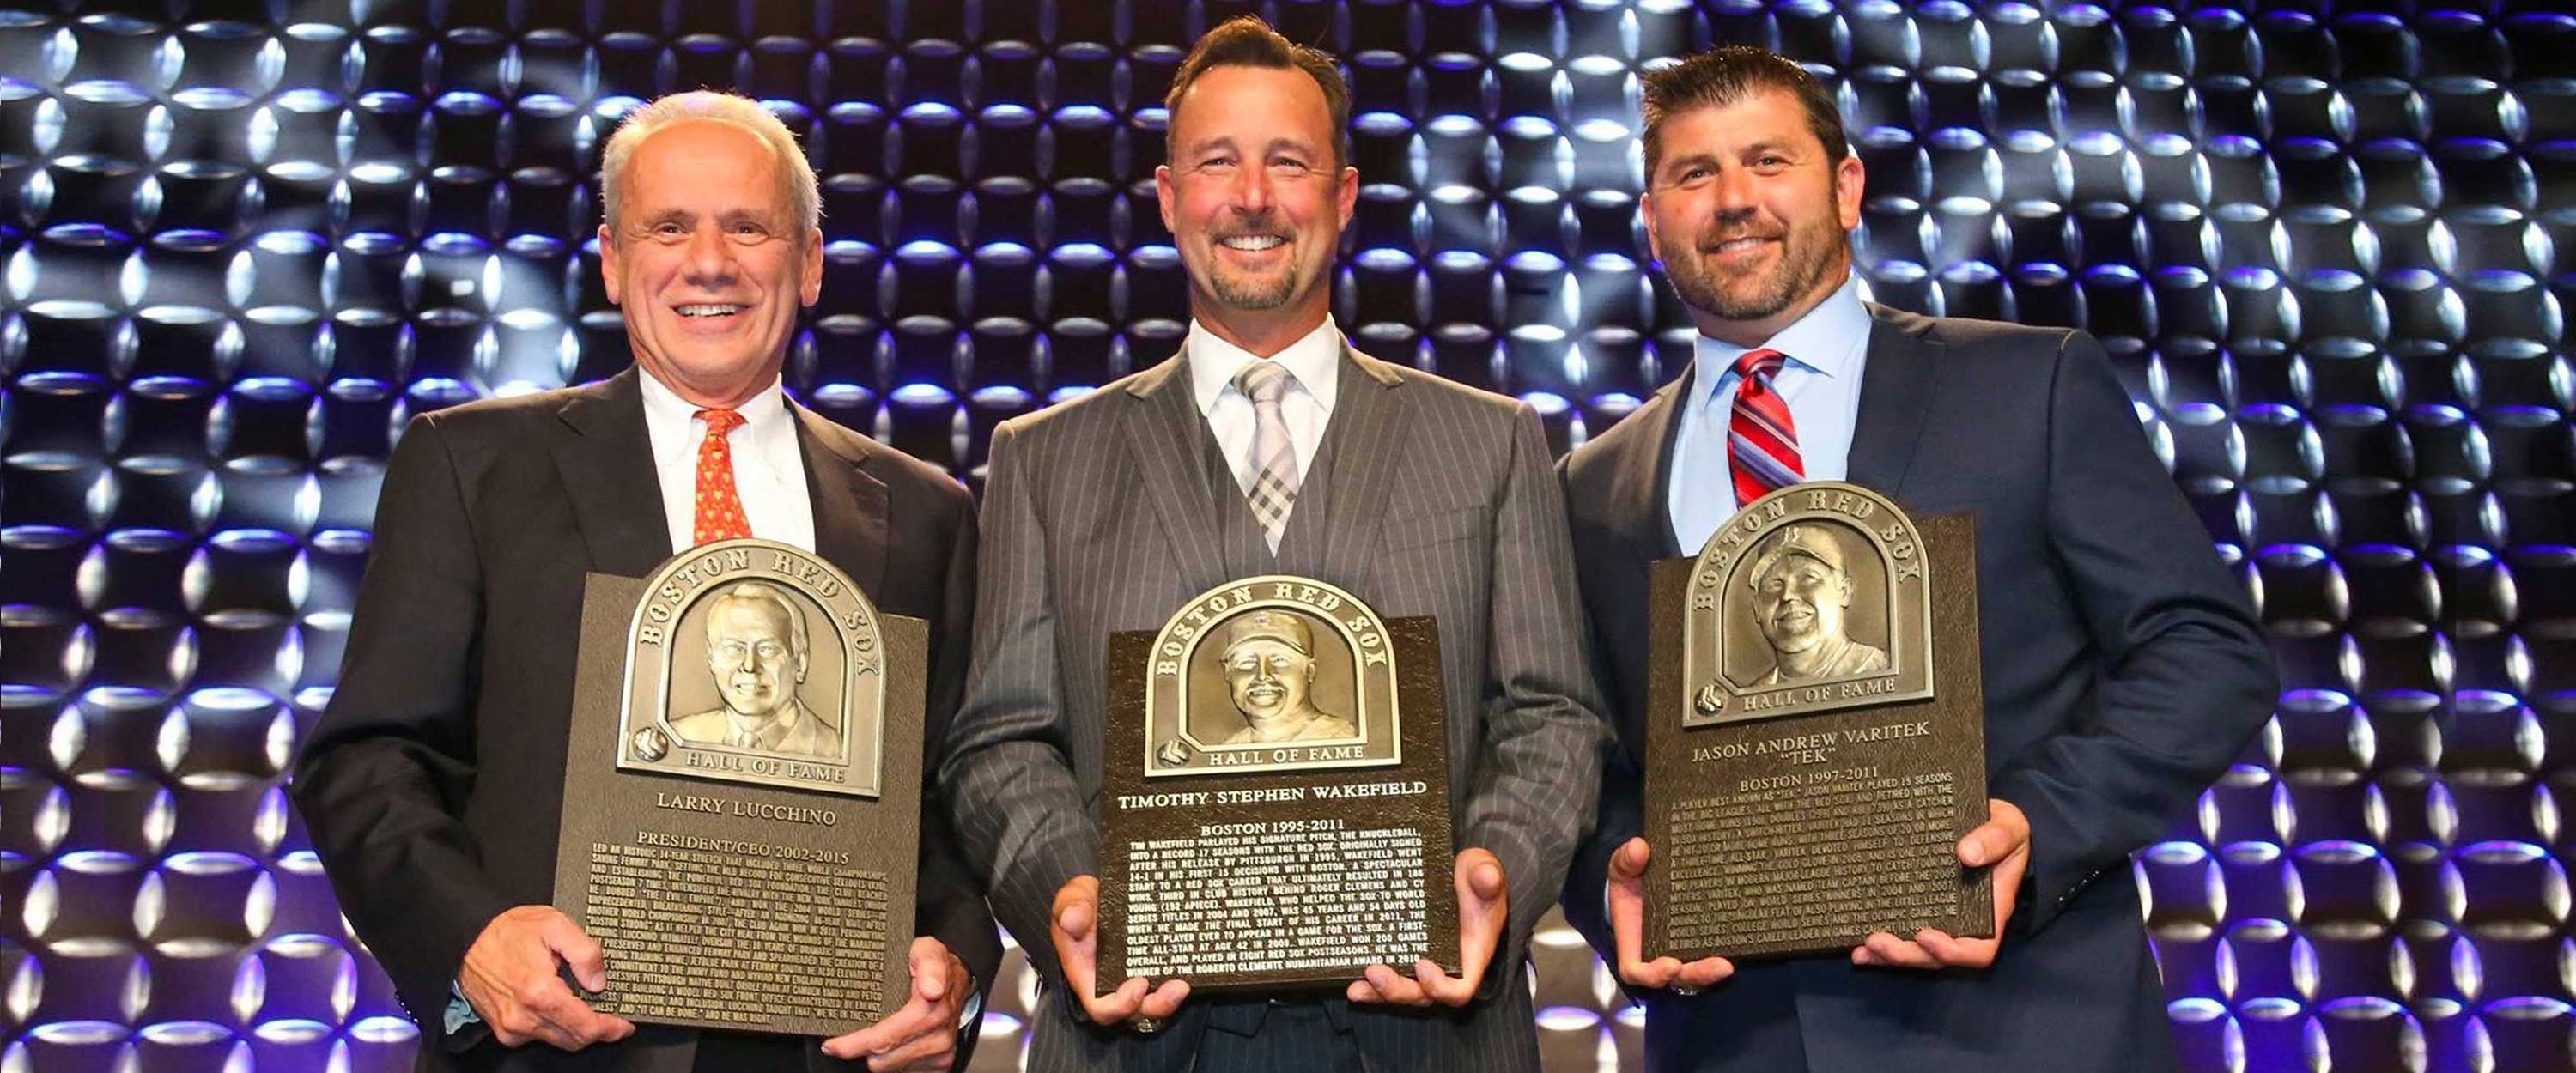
{"points": [[2331, 248]]}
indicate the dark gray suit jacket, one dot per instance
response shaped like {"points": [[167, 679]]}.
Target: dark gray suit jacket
{"points": [[2123, 666], [1425, 498], [434, 783]]}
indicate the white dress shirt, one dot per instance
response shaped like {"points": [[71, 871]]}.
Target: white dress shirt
{"points": [[768, 469], [1314, 365], [1821, 383]]}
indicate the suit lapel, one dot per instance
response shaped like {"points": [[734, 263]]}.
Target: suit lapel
{"points": [[1366, 436], [1646, 481], [607, 468], [1895, 396], [850, 524], [1165, 433]]}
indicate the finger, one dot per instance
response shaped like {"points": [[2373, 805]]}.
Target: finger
{"points": [[1483, 904], [1629, 861], [1395, 989], [1362, 991], [1949, 950], [1442, 988], [1656, 973], [929, 959], [935, 1051], [1900, 953], [1705, 972], [1116, 1007], [1164, 1001], [577, 949], [1985, 844], [1484, 875], [913, 1019], [577, 1020]]}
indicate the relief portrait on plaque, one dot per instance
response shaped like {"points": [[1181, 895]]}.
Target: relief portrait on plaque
{"points": [[752, 661], [1811, 599], [1271, 674], [1798, 596]]}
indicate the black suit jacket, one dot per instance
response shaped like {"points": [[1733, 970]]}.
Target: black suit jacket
{"points": [[433, 784], [2124, 669]]}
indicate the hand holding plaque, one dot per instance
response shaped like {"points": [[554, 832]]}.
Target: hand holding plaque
{"points": [[1626, 900], [1074, 924], [512, 976], [2001, 843], [1484, 907]]}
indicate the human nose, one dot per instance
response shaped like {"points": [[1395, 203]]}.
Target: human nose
{"points": [[1252, 191], [1732, 192], [710, 258]]}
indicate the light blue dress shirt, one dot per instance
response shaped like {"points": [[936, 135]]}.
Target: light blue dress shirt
{"points": [[1820, 382]]}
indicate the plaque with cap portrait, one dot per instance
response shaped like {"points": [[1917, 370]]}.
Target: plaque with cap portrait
{"points": [[755, 662], [1810, 600], [1272, 674]]}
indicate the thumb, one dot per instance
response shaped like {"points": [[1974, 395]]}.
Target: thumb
{"points": [[1985, 845], [1484, 876], [1075, 906], [1629, 862], [589, 962], [929, 968]]}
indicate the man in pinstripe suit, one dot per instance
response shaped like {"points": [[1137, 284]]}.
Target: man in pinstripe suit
{"points": [[1269, 446]]}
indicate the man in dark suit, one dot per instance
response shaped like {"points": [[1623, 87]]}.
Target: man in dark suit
{"points": [[433, 784], [2123, 668], [1269, 446]]}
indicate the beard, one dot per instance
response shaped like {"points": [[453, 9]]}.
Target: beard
{"points": [[1260, 293], [1806, 254]]}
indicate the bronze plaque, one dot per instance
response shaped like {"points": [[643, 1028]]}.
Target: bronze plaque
{"points": [[742, 797], [1815, 742], [1276, 807]]}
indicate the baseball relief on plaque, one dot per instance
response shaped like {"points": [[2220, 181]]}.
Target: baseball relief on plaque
{"points": [[1275, 677], [757, 664], [1808, 603]]}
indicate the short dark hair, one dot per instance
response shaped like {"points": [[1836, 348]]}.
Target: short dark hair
{"points": [[1246, 41], [1722, 76]]}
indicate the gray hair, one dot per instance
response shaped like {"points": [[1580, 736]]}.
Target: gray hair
{"points": [[733, 110]]}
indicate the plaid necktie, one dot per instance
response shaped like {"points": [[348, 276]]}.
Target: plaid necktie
{"points": [[1273, 491], [719, 513], [1762, 440]]}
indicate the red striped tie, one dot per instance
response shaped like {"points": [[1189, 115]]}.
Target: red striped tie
{"points": [[1762, 440]]}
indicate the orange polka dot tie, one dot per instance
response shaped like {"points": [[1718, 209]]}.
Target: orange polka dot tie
{"points": [[720, 514]]}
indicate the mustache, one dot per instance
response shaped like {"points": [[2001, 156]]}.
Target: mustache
{"points": [[1268, 223]]}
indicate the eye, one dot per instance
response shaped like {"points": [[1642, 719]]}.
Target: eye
{"points": [[1217, 163], [1290, 167], [667, 229]]}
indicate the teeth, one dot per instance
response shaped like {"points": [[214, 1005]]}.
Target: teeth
{"points": [[1738, 244], [709, 310], [1253, 242]]}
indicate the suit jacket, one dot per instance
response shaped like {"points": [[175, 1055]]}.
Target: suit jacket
{"points": [[2123, 669], [433, 785], [1425, 498]]}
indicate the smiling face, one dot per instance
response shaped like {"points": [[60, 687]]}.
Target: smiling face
{"points": [[1269, 677], [752, 655], [707, 261], [1253, 197], [1798, 601], [1750, 215]]}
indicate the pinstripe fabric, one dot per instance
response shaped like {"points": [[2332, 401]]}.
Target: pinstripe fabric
{"points": [[1441, 502]]}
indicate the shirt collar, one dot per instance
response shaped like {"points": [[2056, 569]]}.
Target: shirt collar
{"points": [[764, 416], [1829, 340], [1315, 361]]}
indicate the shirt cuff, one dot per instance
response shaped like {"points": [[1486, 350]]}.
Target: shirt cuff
{"points": [[460, 1013]]}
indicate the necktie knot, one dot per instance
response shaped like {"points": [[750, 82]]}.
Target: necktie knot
{"points": [[1760, 364], [1263, 380], [721, 421]]}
